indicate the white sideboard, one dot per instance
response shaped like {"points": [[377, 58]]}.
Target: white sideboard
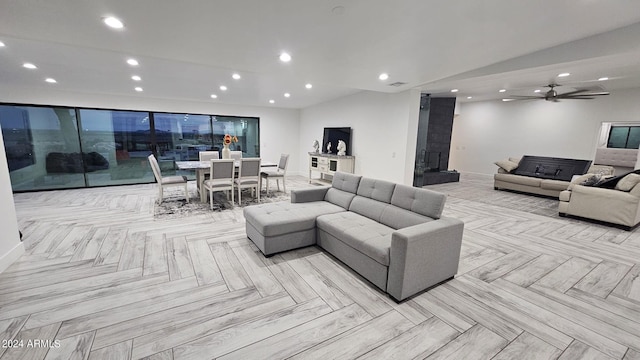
{"points": [[327, 165]]}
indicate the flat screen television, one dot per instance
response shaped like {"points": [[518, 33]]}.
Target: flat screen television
{"points": [[332, 135]]}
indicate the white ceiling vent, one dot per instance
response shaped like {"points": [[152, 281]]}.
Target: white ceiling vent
{"points": [[398, 83]]}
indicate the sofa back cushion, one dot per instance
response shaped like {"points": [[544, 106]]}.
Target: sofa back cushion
{"points": [[398, 218], [339, 197], [376, 189], [387, 214], [422, 201], [346, 182], [368, 207]]}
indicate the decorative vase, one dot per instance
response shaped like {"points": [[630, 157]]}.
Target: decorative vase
{"points": [[226, 153]]}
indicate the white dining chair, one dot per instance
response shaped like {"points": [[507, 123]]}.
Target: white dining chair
{"points": [[205, 156], [208, 155], [167, 180], [221, 178], [278, 173], [235, 155], [248, 177]]}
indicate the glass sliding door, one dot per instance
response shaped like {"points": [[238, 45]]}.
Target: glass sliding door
{"points": [[115, 145], [51, 147], [246, 129], [42, 146], [180, 137]]}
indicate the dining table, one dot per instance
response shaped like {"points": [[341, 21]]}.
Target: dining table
{"points": [[202, 167]]}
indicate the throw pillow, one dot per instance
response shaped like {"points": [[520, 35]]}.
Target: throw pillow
{"points": [[515, 160], [507, 165], [628, 182], [611, 183], [592, 180], [578, 179]]}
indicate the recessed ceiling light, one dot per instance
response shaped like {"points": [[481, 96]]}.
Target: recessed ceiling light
{"points": [[287, 95], [469, 97], [1, 44], [308, 86], [502, 90], [223, 88], [454, 90], [214, 96], [272, 101], [383, 76], [285, 57], [50, 80], [138, 89], [132, 62], [563, 75], [136, 78], [507, 99], [113, 22], [603, 78], [29, 66], [537, 90], [236, 76]]}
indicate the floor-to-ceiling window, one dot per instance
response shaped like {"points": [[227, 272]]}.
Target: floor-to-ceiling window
{"points": [[245, 129], [42, 146], [115, 145], [58, 147], [181, 137]]}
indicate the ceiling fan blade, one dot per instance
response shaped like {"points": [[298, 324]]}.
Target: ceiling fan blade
{"points": [[574, 92], [563, 96], [517, 97]]}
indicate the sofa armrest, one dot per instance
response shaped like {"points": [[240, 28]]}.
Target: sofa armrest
{"points": [[309, 195], [423, 255]]}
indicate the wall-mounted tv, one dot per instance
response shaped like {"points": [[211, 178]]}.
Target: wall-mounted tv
{"points": [[332, 135]]}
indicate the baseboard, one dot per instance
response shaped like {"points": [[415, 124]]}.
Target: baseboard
{"points": [[9, 258]]}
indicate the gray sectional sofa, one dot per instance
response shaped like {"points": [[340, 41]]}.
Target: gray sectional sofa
{"points": [[393, 235]]}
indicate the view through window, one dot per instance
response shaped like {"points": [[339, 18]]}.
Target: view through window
{"points": [[59, 147]]}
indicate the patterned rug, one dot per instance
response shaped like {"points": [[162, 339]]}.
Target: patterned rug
{"points": [[174, 205]]}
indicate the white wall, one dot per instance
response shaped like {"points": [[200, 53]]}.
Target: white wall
{"points": [[485, 132], [279, 128], [10, 246], [383, 131]]}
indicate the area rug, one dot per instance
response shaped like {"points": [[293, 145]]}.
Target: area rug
{"points": [[176, 206]]}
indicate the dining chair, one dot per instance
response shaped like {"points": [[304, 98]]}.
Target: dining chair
{"points": [[235, 155], [208, 155], [277, 173], [167, 180], [248, 176], [221, 177]]}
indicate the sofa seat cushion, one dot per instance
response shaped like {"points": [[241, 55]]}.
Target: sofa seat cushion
{"points": [[361, 233], [284, 217], [518, 179], [554, 184]]}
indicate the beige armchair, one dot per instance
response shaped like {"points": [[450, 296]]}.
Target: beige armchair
{"points": [[612, 206]]}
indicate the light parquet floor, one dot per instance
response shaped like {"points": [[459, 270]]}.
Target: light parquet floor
{"points": [[103, 279]]}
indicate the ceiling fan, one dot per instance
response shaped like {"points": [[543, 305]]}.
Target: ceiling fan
{"points": [[553, 95]]}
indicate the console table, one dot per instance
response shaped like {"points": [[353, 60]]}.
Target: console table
{"points": [[328, 164]]}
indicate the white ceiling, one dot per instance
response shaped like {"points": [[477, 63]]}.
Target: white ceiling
{"points": [[187, 49]]}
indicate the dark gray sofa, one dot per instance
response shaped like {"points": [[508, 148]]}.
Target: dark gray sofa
{"points": [[391, 234]]}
